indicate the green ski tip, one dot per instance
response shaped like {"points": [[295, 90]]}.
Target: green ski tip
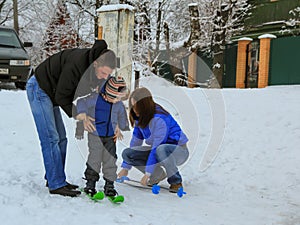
{"points": [[116, 199], [98, 196]]}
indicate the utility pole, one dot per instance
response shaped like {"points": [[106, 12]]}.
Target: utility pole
{"points": [[16, 21]]}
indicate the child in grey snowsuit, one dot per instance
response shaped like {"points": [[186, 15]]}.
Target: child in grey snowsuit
{"points": [[109, 114]]}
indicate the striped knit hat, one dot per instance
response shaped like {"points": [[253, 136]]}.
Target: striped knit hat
{"points": [[114, 86]]}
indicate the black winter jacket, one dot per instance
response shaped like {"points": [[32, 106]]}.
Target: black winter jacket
{"points": [[59, 75]]}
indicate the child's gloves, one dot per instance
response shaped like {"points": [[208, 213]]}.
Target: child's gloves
{"points": [[79, 130]]}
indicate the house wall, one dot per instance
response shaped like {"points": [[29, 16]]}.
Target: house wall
{"points": [[267, 16], [279, 59]]}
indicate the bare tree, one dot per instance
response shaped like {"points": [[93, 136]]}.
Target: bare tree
{"points": [[90, 8], [2, 4], [292, 25], [159, 27], [227, 20], [219, 42], [153, 35], [60, 33], [5, 11], [16, 16], [195, 27], [142, 30]]}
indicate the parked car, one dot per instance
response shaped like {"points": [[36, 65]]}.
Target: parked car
{"points": [[14, 60]]}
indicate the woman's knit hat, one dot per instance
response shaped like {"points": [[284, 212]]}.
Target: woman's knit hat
{"points": [[114, 87]]}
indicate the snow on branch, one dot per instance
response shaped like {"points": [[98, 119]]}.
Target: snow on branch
{"points": [[193, 4]]}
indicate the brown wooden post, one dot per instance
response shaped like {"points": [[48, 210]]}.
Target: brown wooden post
{"points": [[192, 70], [100, 32], [241, 64], [264, 59]]}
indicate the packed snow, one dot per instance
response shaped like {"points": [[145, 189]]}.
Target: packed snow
{"points": [[243, 167]]}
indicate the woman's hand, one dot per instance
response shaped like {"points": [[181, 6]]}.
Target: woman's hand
{"points": [[123, 173], [144, 180]]}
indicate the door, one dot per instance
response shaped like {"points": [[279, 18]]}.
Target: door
{"points": [[229, 77], [284, 61], [252, 65]]}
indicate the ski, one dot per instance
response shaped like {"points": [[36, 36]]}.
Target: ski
{"points": [[116, 199], [154, 188], [96, 197], [99, 196]]}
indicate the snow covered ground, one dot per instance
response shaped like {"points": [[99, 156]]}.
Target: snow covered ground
{"points": [[243, 169]]}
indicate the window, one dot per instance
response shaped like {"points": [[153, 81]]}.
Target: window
{"points": [[9, 38]]}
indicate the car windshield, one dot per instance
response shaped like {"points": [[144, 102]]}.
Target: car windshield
{"points": [[8, 38]]}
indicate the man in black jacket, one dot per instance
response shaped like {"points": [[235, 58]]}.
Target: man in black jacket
{"points": [[56, 84]]}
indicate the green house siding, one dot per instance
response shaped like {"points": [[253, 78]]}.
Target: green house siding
{"points": [[284, 61], [267, 11], [268, 17]]}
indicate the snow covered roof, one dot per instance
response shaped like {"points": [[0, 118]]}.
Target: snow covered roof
{"points": [[245, 39], [267, 36], [115, 7], [193, 4]]}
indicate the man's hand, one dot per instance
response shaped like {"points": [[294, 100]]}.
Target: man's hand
{"points": [[81, 116], [79, 133], [87, 122]]}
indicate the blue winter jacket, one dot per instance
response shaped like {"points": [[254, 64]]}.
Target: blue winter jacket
{"points": [[107, 115], [162, 129]]}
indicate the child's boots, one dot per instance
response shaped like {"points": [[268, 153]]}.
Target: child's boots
{"points": [[109, 189], [90, 187]]}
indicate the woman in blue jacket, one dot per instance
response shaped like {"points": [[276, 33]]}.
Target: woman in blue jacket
{"points": [[167, 144]]}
